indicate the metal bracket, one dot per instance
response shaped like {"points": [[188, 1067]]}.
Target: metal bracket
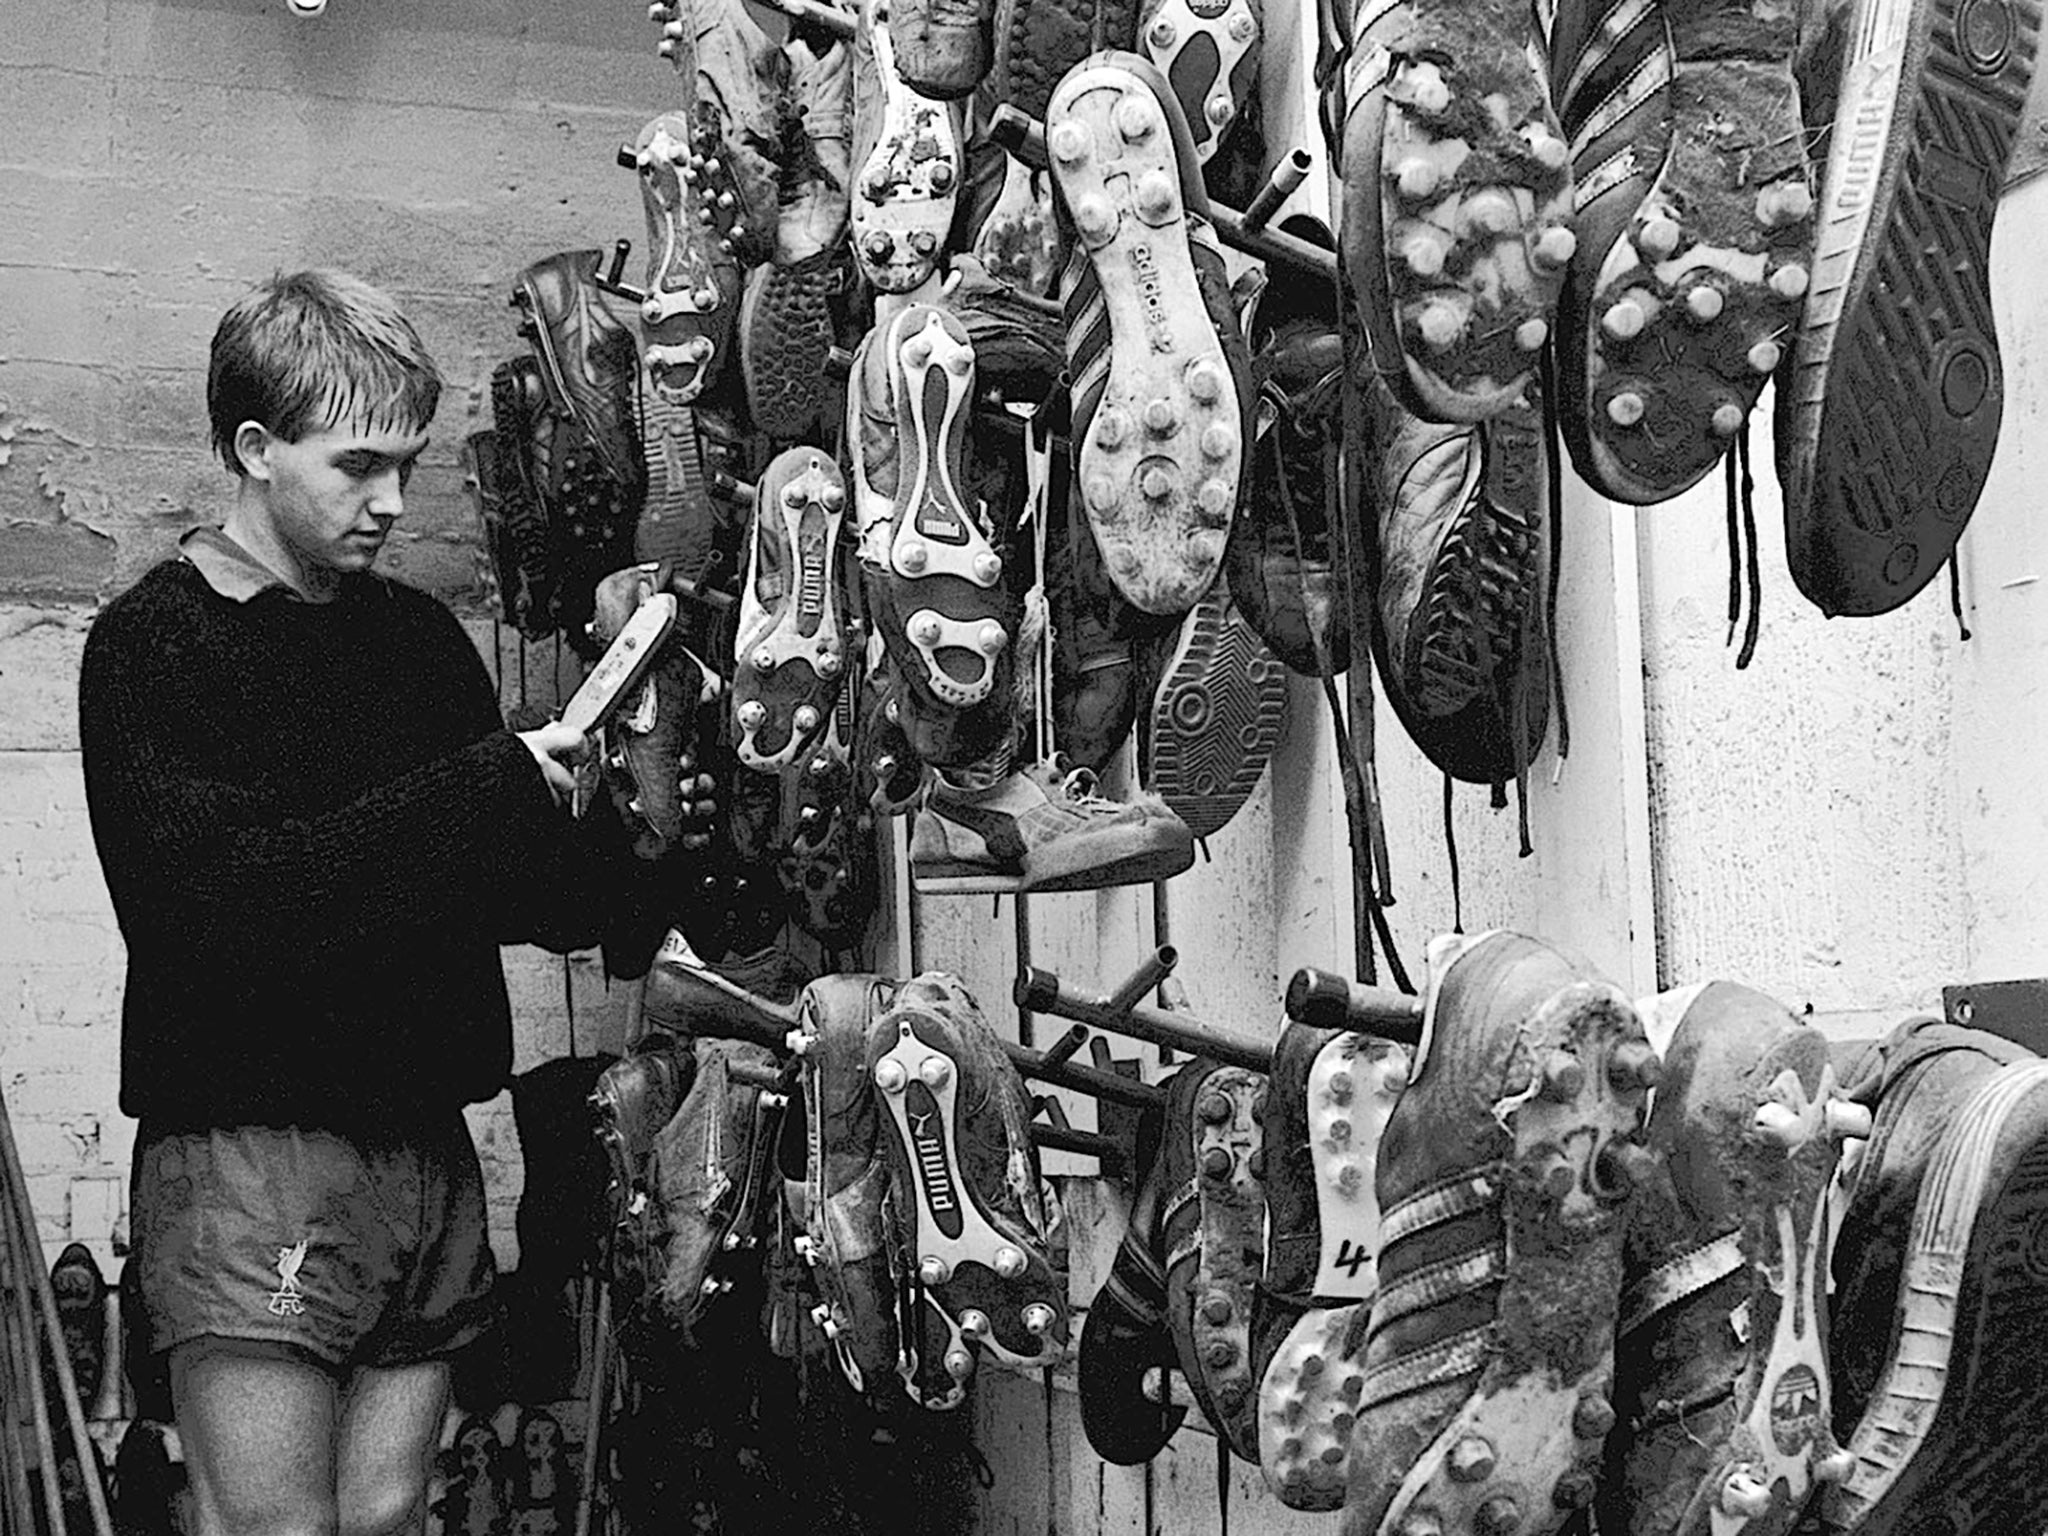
{"points": [[2015, 1010], [1121, 1013]]}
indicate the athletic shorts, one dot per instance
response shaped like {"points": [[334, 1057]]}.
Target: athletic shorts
{"points": [[354, 1250]]}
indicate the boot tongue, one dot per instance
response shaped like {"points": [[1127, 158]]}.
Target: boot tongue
{"points": [[1445, 950]]}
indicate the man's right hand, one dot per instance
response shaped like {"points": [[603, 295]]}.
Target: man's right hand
{"points": [[557, 748]]}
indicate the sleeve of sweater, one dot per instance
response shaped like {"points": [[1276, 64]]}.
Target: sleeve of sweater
{"points": [[189, 856]]}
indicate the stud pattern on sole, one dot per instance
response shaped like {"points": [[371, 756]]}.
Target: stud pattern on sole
{"points": [[1160, 455], [942, 568], [1526, 1447], [997, 1289], [1208, 51], [790, 661], [1212, 1296], [904, 191], [1216, 717], [1351, 1093], [1693, 305], [1469, 226], [693, 285], [1308, 1404]]}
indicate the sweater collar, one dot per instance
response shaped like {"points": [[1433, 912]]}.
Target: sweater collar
{"points": [[228, 568]]}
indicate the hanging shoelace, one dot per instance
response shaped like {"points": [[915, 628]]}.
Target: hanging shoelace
{"points": [[1742, 551]]}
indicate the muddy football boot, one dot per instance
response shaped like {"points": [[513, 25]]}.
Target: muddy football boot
{"points": [[970, 1204], [949, 623], [742, 100], [1215, 1241], [752, 998], [1936, 1280], [888, 775], [942, 46], [1159, 368], [1279, 562], [1460, 579], [1216, 716], [1506, 1176], [1017, 240], [1124, 1337], [1457, 200], [514, 480], [1695, 232], [828, 865], [1019, 348], [790, 655], [633, 1099], [1098, 673], [659, 725], [586, 339], [710, 1177], [509, 569], [1721, 1360], [689, 317], [1326, 1104], [787, 314], [907, 165], [845, 1175], [1209, 52], [1889, 416], [1043, 829]]}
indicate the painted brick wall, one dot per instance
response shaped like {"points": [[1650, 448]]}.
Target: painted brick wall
{"points": [[156, 156]]}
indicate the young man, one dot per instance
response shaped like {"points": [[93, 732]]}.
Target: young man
{"points": [[317, 832]]}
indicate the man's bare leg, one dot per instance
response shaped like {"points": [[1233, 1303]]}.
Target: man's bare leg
{"points": [[274, 1447], [391, 1421], [258, 1431]]}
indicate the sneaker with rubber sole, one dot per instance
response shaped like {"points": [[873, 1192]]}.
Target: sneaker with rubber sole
{"points": [[1506, 1175], [1889, 414], [1326, 1105], [1460, 579], [1160, 403], [1721, 1357], [1937, 1277], [1041, 829], [1216, 716]]}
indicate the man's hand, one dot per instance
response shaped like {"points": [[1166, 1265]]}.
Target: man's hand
{"points": [[557, 748]]}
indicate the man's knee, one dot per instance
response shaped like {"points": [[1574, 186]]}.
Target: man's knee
{"points": [[246, 1512], [388, 1508]]}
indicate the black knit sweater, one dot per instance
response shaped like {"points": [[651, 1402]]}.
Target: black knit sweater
{"points": [[316, 833]]}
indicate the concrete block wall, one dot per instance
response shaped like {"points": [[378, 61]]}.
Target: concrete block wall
{"points": [[156, 157]]}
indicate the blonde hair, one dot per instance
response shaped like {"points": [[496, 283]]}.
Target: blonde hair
{"points": [[306, 350]]}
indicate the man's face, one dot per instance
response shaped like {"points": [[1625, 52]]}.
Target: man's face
{"points": [[334, 494]]}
